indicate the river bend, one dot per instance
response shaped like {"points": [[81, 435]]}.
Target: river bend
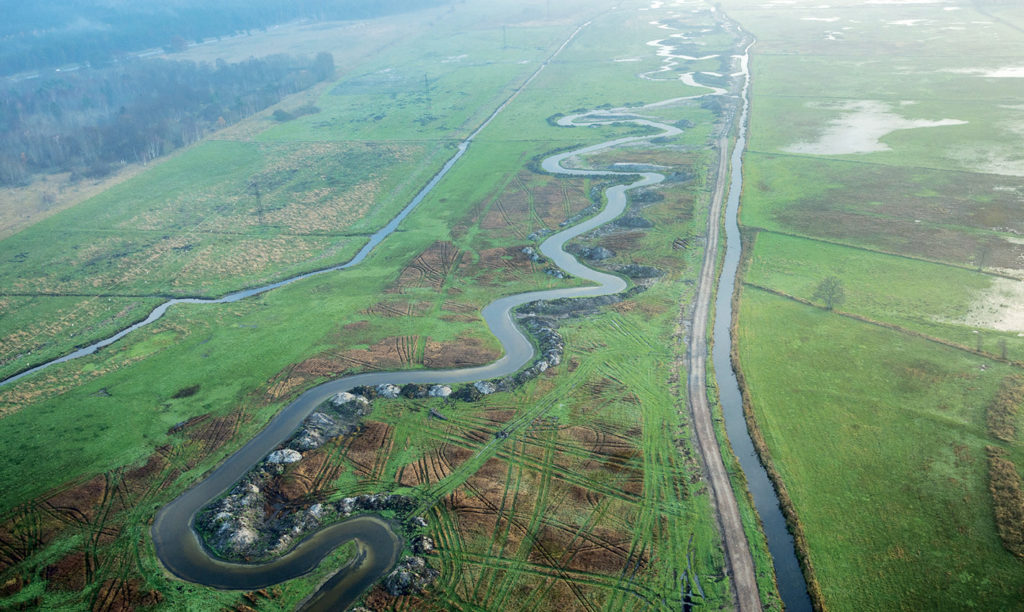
{"points": [[177, 544]]}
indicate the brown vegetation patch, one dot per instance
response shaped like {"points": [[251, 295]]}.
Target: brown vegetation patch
{"points": [[142, 480], [96, 510], [213, 434], [429, 269], [530, 201], [1004, 484], [283, 384], [550, 544], [68, 574], [611, 451], [463, 351], [1002, 415], [500, 416], [398, 308], [83, 506], [316, 367], [189, 423], [597, 388], [558, 199], [598, 550], [509, 214], [498, 266], [480, 509], [12, 586], [460, 312], [904, 236], [458, 318], [388, 354], [118, 595], [506, 258], [379, 600], [311, 478], [369, 448], [433, 467], [646, 308], [963, 199], [460, 307], [621, 241], [78, 504], [21, 535]]}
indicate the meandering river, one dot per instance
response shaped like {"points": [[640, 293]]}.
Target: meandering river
{"points": [[179, 547], [177, 543]]}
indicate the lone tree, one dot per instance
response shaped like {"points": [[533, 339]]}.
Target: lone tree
{"points": [[831, 292]]}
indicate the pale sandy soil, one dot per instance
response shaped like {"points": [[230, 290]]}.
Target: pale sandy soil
{"points": [[1001, 307], [991, 158]]}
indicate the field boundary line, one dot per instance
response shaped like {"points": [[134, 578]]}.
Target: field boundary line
{"points": [[889, 326], [857, 247], [858, 162]]}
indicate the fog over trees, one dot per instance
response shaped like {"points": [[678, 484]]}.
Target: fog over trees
{"points": [[88, 121], [35, 35], [108, 106]]}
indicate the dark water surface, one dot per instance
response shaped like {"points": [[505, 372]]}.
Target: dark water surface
{"points": [[792, 586]]}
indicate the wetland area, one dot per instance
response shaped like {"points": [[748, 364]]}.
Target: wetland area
{"points": [[455, 328]]}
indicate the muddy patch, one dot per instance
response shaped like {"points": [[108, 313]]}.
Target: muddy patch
{"points": [[368, 450], [1001, 307], [465, 351], [434, 466], [499, 266]]}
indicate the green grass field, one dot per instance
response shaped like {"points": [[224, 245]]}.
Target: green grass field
{"points": [[880, 439], [875, 414], [595, 501]]}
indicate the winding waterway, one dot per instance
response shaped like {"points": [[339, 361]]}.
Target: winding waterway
{"points": [[177, 544], [371, 244]]}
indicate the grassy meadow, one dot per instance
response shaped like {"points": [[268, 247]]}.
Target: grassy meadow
{"points": [[882, 447], [882, 152], [596, 498]]}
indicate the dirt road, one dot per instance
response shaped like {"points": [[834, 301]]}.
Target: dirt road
{"points": [[739, 561]]}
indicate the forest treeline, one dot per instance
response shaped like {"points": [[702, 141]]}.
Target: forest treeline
{"points": [[89, 121], [37, 35]]}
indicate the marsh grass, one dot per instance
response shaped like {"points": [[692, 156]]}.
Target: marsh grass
{"points": [[1003, 416]]}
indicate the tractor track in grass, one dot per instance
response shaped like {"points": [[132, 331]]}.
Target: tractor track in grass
{"points": [[172, 526]]}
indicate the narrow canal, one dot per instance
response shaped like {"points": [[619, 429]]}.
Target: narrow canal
{"points": [[792, 586]]}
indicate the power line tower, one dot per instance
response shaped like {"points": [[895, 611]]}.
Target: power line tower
{"points": [[426, 93], [255, 187]]}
